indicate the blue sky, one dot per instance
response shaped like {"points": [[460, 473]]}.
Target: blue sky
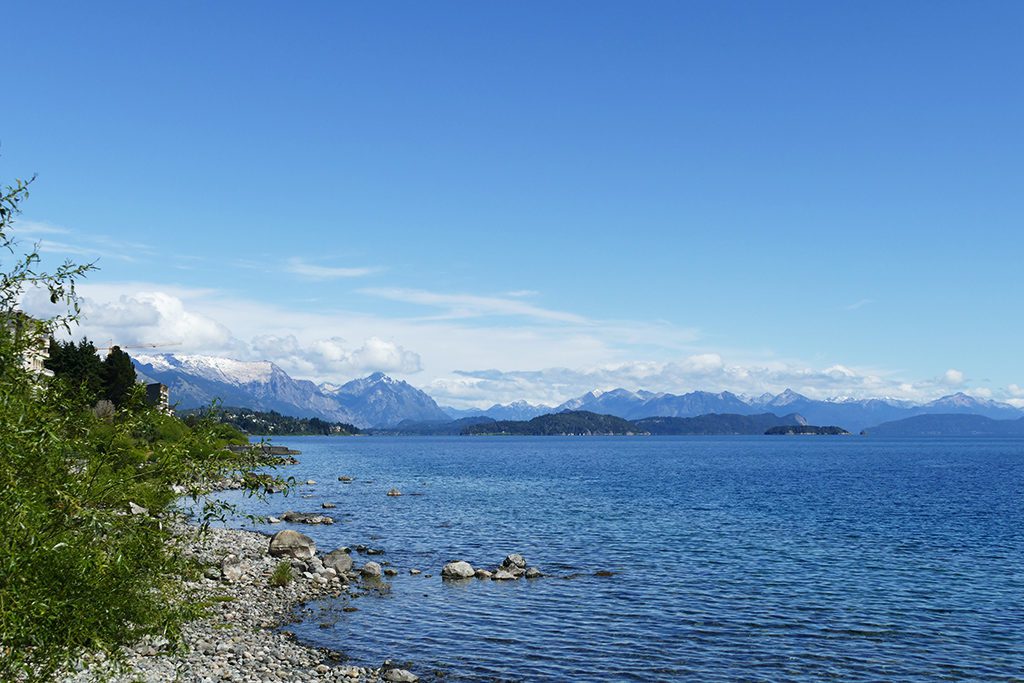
{"points": [[741, 196]]}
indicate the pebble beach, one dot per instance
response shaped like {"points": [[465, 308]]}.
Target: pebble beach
{"points": [[240, 638]]}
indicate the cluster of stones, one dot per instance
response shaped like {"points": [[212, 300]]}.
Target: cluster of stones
{"points": [[512, 567], [305, 518], [237, 640]]}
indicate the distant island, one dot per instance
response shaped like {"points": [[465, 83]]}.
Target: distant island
{"points": [[806, 430], [430, 427], [586, 423], [569, 423], [272, 423], [948, 425], [714, 424]]}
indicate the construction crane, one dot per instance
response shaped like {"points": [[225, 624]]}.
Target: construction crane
{"points": [[136, 346]]}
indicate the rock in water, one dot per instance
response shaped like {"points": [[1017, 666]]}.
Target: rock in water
{"points": [[483, 574], [394, 492], [399, 676], [457, 570], [231, 568], [288, 543], [327, 506], [371, 570], [338, 560], [514, 560], [533, 573], [503, 575]]}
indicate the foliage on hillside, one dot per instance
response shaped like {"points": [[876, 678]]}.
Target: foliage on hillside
{"points": [[806, 430], [85, 555], [273, 423], [569, 423], [715, 424]]}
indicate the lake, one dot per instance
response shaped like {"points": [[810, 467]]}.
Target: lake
{"points": [[734, 558]]}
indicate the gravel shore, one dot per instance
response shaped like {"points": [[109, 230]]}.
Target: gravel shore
{"points": [[238, 639]]}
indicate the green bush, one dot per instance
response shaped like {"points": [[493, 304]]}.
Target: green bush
{"points": [[78, 571]]}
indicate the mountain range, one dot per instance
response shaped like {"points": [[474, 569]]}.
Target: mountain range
{"points": [[196, 381], [380, 401], [949, 425]]}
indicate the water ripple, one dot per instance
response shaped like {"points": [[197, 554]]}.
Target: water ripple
{"points": [[752, 559]]}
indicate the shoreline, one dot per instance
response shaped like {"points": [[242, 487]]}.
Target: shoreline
{"points": [[239, 638]]}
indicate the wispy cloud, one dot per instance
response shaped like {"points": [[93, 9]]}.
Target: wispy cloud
{"points": [[859, 304], [474, 306], [49, 246], [298, 266], [71, 242], [32, 228]]}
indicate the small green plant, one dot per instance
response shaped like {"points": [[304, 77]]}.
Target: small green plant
{"points": [[282, 575]]}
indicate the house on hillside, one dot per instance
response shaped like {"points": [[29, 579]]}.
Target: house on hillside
{"points": [[28, 332], [158, 395]]}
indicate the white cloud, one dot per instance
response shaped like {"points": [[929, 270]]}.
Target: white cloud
{"points": [[953, 378], [705, 371], [334, 357], [34, 228], [471, 306], [312, 271], [859, 304], [448, 356]]}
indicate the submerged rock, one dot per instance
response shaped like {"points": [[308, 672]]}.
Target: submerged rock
{"points": [[306, 518], [457, 570], [338, 560]]}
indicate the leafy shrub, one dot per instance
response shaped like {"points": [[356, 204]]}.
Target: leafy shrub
{"points": [[78, 570], [282, 574]]}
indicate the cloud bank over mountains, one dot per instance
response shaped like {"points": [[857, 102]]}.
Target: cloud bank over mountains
{"points": [[478, 350]]}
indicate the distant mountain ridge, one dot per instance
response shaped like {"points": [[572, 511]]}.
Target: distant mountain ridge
{"points": [[852, 414], [195, 381], [946, 424], [380, 401]]}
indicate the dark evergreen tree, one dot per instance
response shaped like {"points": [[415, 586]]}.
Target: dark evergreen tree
{"points": [[118, 375], [78, 365]]}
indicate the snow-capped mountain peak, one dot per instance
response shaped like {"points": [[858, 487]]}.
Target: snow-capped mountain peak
{"points": [[211, 367]]}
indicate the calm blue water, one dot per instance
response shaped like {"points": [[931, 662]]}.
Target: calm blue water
{"points": [[758, 559]]}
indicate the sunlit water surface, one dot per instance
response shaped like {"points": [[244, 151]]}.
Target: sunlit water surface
{"points": [[734, 558]]}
